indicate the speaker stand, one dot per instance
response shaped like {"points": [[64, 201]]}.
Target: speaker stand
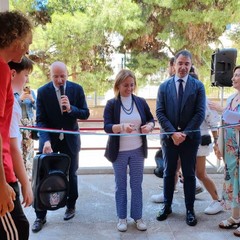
{"points": [[220, 167]]}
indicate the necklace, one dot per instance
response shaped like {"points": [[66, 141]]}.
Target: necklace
{"points": [[128, 111]]}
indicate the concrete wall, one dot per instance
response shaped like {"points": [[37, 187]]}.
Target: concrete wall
{"points": [[4, 5]]}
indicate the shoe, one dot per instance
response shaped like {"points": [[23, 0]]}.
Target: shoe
{"points": [[122, 225], [163, 214], [158, 198], [38, 224], [214, 208], [191, 219], [199, 190], [70, 213], [237, 232], [141, 225], [229, 223]]}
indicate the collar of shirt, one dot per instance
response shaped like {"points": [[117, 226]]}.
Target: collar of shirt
{"points": [[57, 88], [184, 79]]}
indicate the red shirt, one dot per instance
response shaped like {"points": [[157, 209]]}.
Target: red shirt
{"points": [[6, 106]]}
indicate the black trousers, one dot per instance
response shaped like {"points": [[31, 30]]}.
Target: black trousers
{"points": [[187, 152], [62, 147], [14, 225]]}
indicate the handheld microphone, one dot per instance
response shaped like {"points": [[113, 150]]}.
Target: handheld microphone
{"points": [[61, 88]]}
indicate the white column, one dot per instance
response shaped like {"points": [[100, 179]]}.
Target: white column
{"points": [[4, 5]]}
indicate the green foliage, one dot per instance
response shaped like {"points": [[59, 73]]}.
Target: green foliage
{"points": [[77, 32], [144, 65]]}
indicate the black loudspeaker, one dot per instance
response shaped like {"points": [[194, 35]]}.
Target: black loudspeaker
{"points": [[50, 181], [222, 65]]}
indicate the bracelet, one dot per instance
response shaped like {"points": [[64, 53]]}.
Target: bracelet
{"points": [[122, 127]]}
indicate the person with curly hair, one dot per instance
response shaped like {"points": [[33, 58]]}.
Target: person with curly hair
{"points": [[15, 38]]}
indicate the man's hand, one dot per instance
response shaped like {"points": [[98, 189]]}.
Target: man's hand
{"points": [[47, 148], [178, 138], [65, 102], [7, 196]]}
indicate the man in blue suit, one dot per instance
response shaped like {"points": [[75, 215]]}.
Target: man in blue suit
{"points": [[180, 111], [60, 104]]}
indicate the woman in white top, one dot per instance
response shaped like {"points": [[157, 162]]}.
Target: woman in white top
{"points": [[129, 117]]}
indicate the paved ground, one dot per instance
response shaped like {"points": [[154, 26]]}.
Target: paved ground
{"points": [[96, 215]]}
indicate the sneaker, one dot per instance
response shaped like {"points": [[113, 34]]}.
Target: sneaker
{"points": [[122, 225], [69, 213], [158, 198], [214, 207], [199, 190], [38, 224], [141, 225]]}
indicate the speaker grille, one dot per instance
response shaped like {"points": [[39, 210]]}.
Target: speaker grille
{"points": [[52, 191], [222, 65]]}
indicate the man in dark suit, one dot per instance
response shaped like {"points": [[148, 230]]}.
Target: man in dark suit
{"points": [[60, 109], [180, 111]]}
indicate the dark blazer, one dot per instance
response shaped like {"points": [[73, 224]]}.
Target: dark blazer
{"points": [[192, 108], [48, 114], [112, 116]]}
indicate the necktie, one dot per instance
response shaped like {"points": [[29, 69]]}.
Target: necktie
{"points": [[180, 96], [61, 135]]}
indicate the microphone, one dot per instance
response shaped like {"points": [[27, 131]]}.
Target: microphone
{"points": [[61, 88]]}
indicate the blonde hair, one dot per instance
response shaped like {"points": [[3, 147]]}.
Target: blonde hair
{"points": [[121, 76]]}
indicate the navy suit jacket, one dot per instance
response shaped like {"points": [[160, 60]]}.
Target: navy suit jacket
{"points": [[112, 116], [192, 108], [48, 114]]}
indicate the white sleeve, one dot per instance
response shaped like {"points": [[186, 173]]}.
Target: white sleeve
{"points": [[212, 117], [16, 116]]}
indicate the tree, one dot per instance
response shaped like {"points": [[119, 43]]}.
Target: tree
{"points": [[181, 24], [77, 32]]}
